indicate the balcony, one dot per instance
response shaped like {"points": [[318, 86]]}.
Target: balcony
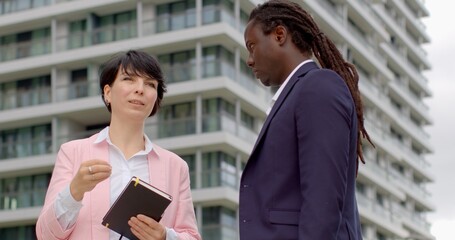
{"points": [[25, 49], [97, 36], [80, 89], [18, 148], [396, 148], [20, 98], [414, 101], [219, 231], [7, 7]]}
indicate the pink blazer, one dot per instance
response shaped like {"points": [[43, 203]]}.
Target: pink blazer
{"points": [[167, 172]]}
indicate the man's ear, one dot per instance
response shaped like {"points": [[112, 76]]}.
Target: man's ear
{"points": [[280, 33]]}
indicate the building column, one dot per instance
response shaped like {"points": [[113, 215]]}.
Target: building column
{"points": [[198, 60], [238, 115], [139, 19], [199, 13], [199, 117], [198, 169]]}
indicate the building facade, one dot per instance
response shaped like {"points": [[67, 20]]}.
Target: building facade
{"points": [[50, 52]]}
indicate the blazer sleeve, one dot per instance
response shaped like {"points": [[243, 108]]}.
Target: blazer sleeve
{"points": [[323, 113], [47, 226], [185, 222]]}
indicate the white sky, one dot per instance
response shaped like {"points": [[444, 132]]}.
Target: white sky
{"points": [[441, 52]]}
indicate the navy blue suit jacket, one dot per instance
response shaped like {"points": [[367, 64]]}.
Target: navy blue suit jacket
{"points": [[299, 182]]}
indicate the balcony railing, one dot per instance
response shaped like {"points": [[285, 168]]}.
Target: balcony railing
{"points": [[219, 232], [24, 49], [78, 89], [179, 72], [24, 98], [179, 127], [25, 148], [97, 36], [17, 6], [409, 185], [377, 209], [219, 178]]}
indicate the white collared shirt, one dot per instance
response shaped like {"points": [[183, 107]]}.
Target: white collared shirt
{"points": [[277, 94], [67, 208]]}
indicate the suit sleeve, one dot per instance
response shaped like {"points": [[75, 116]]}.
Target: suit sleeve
{"points": [[47, 226], [323, 117]]}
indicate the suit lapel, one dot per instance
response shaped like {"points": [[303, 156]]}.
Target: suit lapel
{"points": [[287, 89]]}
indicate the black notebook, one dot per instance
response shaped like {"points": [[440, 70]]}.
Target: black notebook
{"points": [[138, 197]]}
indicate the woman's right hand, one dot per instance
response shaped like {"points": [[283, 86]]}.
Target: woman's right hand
{"points": [[90, 173]]}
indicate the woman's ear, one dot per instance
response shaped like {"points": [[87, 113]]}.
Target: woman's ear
{"points": [[107, 93]]}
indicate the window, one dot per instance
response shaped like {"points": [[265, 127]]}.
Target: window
{"points": [[179, 66], [217, 61], [177, 119], [218, 169], [218, 223], [78, 35], [218, 114], [79, 84], [27, 141], [22, 192], [21, 232], [25, 92], [191, 161], [115, 27], [176, 15], [218, 11], [25, 44]]}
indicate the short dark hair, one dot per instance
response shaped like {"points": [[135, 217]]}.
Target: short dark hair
{"points": [[134, 63]]}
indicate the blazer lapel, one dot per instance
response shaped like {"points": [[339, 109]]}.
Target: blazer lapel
{"points": [[299, 73], [157, 168]]}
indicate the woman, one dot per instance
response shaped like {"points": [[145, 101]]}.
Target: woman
{"points": [[90, 173]]}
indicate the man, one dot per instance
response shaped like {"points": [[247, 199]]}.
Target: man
{"points": [[299, 182]]}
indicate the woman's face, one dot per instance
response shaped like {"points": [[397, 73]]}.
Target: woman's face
{"points": [[131, 96]]}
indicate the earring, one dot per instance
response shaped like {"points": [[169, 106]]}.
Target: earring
{"points": [[108, 103]]}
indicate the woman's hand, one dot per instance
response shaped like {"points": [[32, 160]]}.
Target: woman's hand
{"points": [[90, 173], [146, 228]]}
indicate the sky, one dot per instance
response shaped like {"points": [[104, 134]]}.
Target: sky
{"points": [[441, 53]]}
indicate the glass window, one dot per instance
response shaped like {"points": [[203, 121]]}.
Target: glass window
{"points": [[41, 43], [218, 114], [115, 27], [218, 11], [22, 192], [191, 161], [177, 119], [79, 84], [8, 47], [218, 169], [218, 223], [25, 92], [26, 141], [179, 66], [247, 120], [77, 36], [218, 61], [176, 15], [21, 232]]}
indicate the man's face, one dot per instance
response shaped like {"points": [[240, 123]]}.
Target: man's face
{"points": [[263, 52]]}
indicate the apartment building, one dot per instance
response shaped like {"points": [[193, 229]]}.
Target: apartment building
{"points": [[50, 52]]}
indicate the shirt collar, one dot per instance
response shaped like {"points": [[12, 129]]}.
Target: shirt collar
{"points": [[104, 136], [277, 94]]}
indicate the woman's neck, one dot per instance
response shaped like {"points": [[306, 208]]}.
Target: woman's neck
{"points": [[129, 138]]}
